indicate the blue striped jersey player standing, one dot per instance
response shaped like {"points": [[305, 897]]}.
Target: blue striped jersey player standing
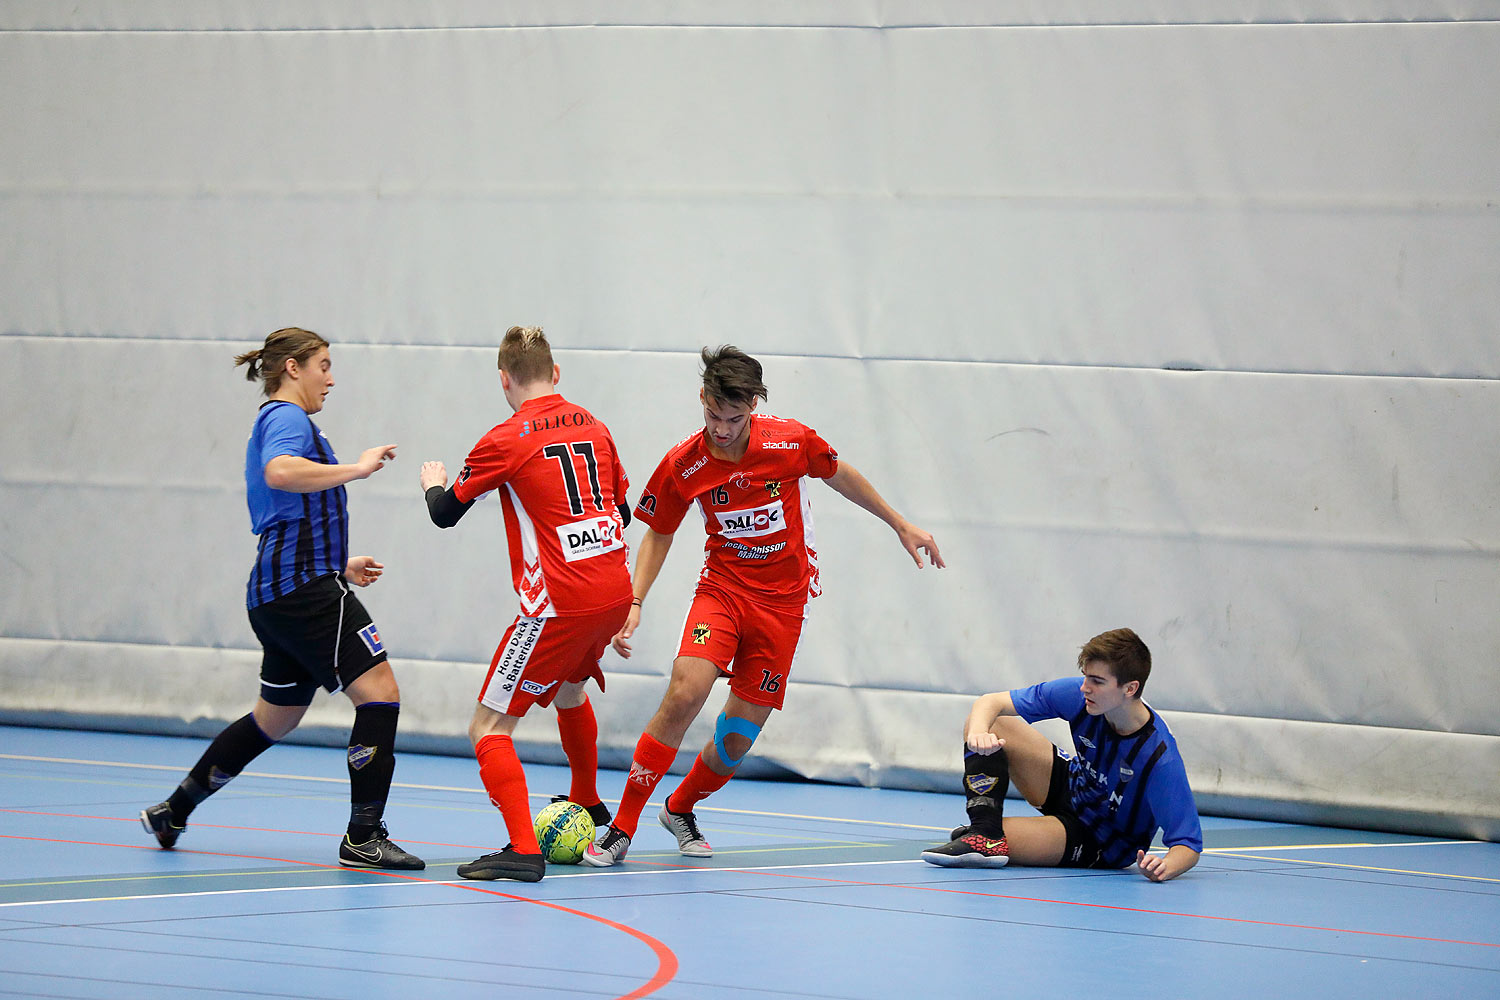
{"points": [[313, 630], [1102, 805]]}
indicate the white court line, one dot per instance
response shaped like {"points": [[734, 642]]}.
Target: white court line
{"points": [[450, 788], [681, 871], [1336, 847], [713, 809]]}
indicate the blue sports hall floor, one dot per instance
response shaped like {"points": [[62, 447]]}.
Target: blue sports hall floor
{"points": [[813, 891]]}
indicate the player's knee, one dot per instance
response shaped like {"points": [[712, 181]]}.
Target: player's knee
{"points": [[735, 748], [376, 684], [733, 738], [678, 706], [488, 722], [277, 721]]}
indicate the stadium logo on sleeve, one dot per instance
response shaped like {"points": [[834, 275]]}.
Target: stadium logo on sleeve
{"points": [[371, 636], [701, 632]]}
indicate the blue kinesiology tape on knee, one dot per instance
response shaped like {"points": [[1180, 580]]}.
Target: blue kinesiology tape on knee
{"points": [[740, 727]]}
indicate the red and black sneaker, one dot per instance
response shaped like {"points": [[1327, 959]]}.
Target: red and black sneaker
{"points": [[972, 850]]}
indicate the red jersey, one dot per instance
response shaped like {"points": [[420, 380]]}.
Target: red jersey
{"points": [[559, 478], [756, 511]]}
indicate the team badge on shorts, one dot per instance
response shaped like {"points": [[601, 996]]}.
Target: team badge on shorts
{"points": [[701, 633], [773, 487], [360, 755], [371, 636], [980, 784]]}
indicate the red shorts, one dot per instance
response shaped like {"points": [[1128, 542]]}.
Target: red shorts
{"points": [[755, 645], [539, 653]]}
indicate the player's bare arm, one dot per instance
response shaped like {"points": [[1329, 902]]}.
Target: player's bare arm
{"points": [[987, 708], [295, 474], [851, 484], [649, 557], [1158, 868]]}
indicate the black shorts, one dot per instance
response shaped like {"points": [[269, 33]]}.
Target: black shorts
{"points": [[1081, 850], [319, 634]]}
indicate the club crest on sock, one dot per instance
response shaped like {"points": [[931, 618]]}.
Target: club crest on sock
{"points": [[359, 756], [979, 784]]}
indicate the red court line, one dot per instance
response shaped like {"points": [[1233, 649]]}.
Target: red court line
{"points": [[666, 959], [1132, 909]]}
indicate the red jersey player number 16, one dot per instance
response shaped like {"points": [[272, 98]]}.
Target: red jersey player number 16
{"points": [[749, 477]]}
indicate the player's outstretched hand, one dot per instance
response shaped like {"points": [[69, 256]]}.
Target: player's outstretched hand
{"points": [[916, 541], [1153, 866], [621, 641], [372, 460], [983, 742], [363, 570], [433, 474]]}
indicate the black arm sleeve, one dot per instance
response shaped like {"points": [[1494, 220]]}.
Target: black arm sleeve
{"points": [[624, 509], [443, 507]]}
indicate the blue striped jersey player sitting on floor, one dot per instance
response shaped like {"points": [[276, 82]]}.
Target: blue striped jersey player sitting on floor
{"points": [[1101, 805]]}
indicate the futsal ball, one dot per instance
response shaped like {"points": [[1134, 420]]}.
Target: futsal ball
{"points": [[564, 830]]}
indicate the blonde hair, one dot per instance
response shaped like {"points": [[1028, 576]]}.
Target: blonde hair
{"points": [[268, 363], [525, 355]]}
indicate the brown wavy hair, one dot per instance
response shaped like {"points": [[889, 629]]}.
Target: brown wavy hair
{"points": [[732, 376], [268, 363]]}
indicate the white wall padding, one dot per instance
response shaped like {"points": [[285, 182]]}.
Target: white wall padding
{"points": [[1169, 321]]}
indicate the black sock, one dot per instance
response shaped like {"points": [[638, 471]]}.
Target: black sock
{"points": [[372, 763], [229, 754], [986, 779]]}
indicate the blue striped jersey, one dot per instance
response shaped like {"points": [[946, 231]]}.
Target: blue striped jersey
{"points": [[302, 535], [1124, 788]]}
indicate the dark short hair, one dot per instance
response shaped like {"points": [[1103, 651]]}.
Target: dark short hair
{"points": [[525, 354], [1125, 653], [732, 376]]}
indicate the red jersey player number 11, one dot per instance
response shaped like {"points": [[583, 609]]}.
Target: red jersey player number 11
{"points": [[556, 471]]}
